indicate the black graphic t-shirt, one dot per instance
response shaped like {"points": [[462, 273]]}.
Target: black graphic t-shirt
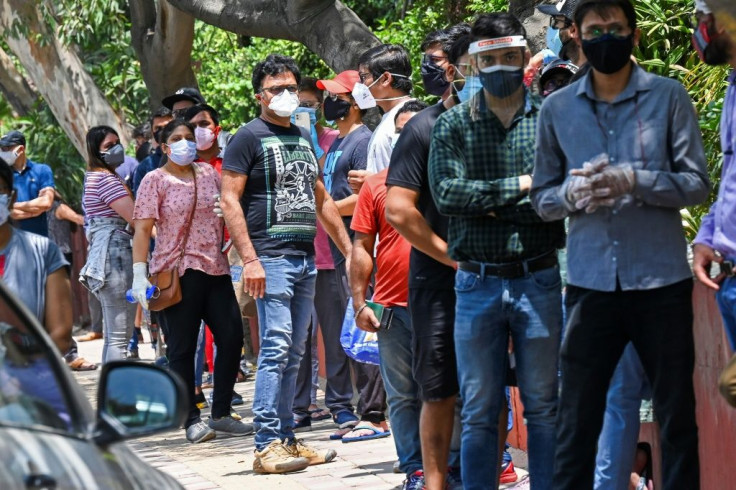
{"points": [[278, 200]]}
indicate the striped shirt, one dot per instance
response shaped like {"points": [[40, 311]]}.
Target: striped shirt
{"points": [[101, 189]]}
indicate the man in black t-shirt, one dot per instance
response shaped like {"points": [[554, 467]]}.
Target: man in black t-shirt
{"points": [[271, 199], [411, 210]]}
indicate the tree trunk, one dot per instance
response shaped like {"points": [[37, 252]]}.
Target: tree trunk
{"points": [[15, 87], [57, 72], [327, 27], [162, 37]]}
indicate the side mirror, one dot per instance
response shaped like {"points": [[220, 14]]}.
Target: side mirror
{"points": [[136, 400]]}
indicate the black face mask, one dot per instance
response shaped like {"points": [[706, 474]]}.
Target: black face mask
{"points": [[608, 54], [335, 109], [709, 45], [157, 135], [433, 78]]}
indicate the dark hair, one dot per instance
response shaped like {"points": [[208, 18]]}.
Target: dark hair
{"points": [[603, 9], [459, 49], [273, 65], [171, 127], [414, 105], [143, 130], [95, 137], [196, 109], [6, 173], [392, 58], [309, 84], [446, 37], [497, 24], [160, 112], [435, 37]]}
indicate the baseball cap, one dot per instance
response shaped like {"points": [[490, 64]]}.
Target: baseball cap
{"points": [[184, 93], [13, 138], [563, 7], [557, 66], [343, 82]]}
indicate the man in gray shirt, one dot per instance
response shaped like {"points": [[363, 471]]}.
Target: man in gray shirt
{"points": [[628, 276]]}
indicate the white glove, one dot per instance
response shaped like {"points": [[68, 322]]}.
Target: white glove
{"points": [[140, 283], [614, 181], [218, 209], [579, 191]]}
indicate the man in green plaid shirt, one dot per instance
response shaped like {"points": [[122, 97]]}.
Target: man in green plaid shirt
{"points": [[508, 280]]}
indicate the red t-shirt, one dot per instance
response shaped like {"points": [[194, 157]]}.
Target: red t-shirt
{"points": [[216, 162], [392, 253]]}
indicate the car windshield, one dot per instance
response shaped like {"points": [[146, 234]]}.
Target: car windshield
{"points": [[30, 391]]}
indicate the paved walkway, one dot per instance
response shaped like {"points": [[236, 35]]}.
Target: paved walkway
{"points": [[227, 462]]}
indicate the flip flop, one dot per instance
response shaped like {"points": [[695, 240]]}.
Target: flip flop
{"points": [[377, 434], [340, 432], [320, 414], [81, 364]]}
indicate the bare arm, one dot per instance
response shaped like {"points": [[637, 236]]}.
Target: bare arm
{"points": [[142, 239], [329, 216], [124, 207], [67, 213], [347, 206], [34, 207], [254, 277], [361, 268], [402, 213], [58, 309]]}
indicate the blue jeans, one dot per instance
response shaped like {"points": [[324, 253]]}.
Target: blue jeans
{"points": [[489, 310], [283, 319], [404, 406], [726, 297], [620, 433]]}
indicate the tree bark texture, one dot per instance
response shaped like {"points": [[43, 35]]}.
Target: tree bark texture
{"points": [[162, 37], [327, 27], [57, 72], [15, 88]]}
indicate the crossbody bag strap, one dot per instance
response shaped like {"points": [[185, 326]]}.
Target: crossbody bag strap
{"points": [[191, 219]]}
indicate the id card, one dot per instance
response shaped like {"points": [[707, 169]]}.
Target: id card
{"points": [[236, 272]]}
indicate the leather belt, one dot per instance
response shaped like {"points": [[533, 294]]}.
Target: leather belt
{"points": [[511, 270]]}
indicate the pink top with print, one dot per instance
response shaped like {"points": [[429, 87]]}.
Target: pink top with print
{"points": [[168, 200]]}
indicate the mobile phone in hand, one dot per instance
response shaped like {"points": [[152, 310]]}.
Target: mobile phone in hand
{"points": [[301, 119]]}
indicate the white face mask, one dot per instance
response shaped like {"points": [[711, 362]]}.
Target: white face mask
{"points": [[284, 104], [205, 137], [9, 156], [4, 208], [363, 96], [183, 152]]}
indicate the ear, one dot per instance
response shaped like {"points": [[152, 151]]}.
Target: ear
{"points": [[387, 79], [575, 34], [450, 72], [637, 37], [217, 131]]}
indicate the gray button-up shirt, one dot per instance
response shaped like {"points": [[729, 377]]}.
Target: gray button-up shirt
{"points": [[652, 126]]}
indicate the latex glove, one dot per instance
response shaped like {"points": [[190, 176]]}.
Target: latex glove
{"points": [[579, 191], [140, 283], [614, 181], [218, 209]]}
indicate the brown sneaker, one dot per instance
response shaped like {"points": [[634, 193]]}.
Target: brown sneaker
{"points": [[276, 458], [314, 456]]}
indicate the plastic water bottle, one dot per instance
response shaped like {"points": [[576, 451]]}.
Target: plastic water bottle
{"points": [[149, 294]]}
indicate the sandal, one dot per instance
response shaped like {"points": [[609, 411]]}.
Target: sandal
{"points": [[89, 336], [378, 433], [81, 364], [320, 414]]}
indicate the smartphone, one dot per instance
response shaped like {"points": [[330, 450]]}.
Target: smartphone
{"points": [[383, 314], [301, 119]]}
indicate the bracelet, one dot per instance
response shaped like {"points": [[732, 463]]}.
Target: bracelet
{"points": [[359, 310], [249, 261]]}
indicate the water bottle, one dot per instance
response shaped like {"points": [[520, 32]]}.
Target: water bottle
{"points": [[150, 292]]}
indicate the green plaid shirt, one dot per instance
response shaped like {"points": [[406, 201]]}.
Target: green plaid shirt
{"points": [[474, 169]]}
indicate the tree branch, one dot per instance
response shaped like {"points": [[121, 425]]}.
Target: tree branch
{"points": [[15, 87]]}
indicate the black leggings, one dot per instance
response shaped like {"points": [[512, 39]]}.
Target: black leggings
{"points": [[212, 299]]}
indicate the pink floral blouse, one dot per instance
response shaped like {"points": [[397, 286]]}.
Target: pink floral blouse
{"points": [[168, 200]]}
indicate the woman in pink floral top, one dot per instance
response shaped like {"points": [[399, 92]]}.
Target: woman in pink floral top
{"points": [[165, 199]]}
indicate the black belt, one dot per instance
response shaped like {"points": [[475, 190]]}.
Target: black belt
{"points": [[511, 270]]}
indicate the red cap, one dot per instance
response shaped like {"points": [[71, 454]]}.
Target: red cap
{"points": [[343, 82]]}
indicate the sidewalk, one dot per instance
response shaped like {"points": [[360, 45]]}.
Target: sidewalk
{"points": [[227, 462]]}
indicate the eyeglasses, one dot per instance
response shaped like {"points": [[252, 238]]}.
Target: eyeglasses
{"points": [[431, 58], [364, 76], [559, 22], [312, 104], [279, 89]]}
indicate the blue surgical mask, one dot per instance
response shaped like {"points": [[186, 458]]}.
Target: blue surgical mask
{"points": [[501, 80], [554, 43], [183, 152], [309, 110], [472, 86]]}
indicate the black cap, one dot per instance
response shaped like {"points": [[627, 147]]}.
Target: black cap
{"points": [[555, 66], [13, 138], [184, 93], [563, 7]]}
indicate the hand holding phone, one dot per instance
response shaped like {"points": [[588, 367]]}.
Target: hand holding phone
{"points": [[301, 119]]}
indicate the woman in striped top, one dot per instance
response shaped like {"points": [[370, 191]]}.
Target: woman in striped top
{"points": [[108, 207]]}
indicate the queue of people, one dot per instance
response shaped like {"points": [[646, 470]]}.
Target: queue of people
{"points": [[443, 225]]}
